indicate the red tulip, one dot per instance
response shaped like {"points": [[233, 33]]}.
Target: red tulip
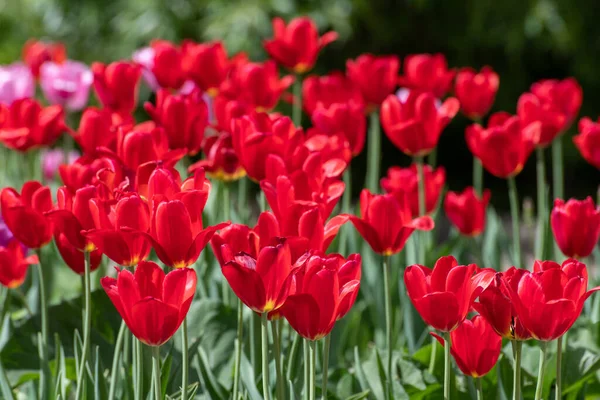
{"points": [[152, 304], [85, 170], [14, 264], [415, 124], [73, 257], [329, 89], [73, 216], [206, 64], [386, 223], [116, 85], [588, 141], [347, 119], [263, 283], [226, 111], [475, 346], [36, 52], [404, 184], [96, 129], [576, 226], [184, 118], [330, 147], [297, 45], [427, 73], [503, 148], [552, 121], [565, 95], [549, 300], [475, 91], [324, 290], [467, 210], [25, 125], [24, 213], [167, 65], [495, 306], [221, 160], [375, 76]]}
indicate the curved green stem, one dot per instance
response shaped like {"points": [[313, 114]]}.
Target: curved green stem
{"points": [[557, 178], [156, 372], [44, 367], [388, 323], [558, 390], [346, 207], [313, 357], [421, 182], [479, 388], [297, 105], [277, 348], [326, 347], [185, 361], [516, 221], [139, 370], [540, 384], [374, 153], [477, 176], [541, 204], [292, 357], [265, 356], [517, 346], [115, 363], [306, 368], [446, 365], [86, 326], [238, 351]]}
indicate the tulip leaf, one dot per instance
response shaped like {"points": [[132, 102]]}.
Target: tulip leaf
{"points": [[213, 387], [248, 379], [360, 396], [360, 373], [5, 388], [165, 372]]}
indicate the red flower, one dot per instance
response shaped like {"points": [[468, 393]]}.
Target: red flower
{"points": [[588, 141], [324, 290], [442, 296], [427, 73], [85, 170], [475, 346], [36, 52], [184, 118], [121, 229], [386, 223], [552, 121], [495, 306], [14, 264], [24, 213], [96, 129], [475, 91], [152, 304], [375, 76], [329, 89], [404, 184], [226, 110], [25, 125], [257, 84], [346, 119], [73, 257], [467, 210], [549, 300], [167, 64], [73, 216], [221, 160], [503, 148], [565, 95], [116, 85], [576, 226], [415, 124], [206, 64], [263, 283], [297, 45]]}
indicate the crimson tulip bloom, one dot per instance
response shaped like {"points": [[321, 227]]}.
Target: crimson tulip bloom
{"points": [[96, 129], [552, 121], [25, 125], [404, 184], [427, 73], [347, 119], [167, 64], [184, 118], [588, 141], [386, 223], [206, 64], [116, 85], [85, 170], [152, 304], [576, 226], [226, 111], [24, 213], [495, 306], [466, 210], [475, 346], [73, 257], [297, 45], [566, 95], [36, 52], [263, 283], [503, 148], [415, 124], [476, 91], [442, 296], [221, 160], [325, 288], [375, 76], [550, 299], [14, 264], [329, 89]]}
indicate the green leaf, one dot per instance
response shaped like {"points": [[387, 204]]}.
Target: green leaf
{"points": [[360, 396], [100, 385], [248, 379], [5, 388], [165, 372], [213, 387]]}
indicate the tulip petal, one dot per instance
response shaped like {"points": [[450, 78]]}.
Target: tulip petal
{"points": [[247, 284], [179, 289], [440, 310], [154, 322], [149, 278], [302, 312]]}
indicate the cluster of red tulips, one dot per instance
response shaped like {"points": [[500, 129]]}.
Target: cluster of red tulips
{"points": [[125, 198]]}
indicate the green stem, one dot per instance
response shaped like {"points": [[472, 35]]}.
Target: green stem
{"points": [[540, 384], [388, 323], [44, 367], [306, 368], [446, 365], [432, 357], [115, 363], [278, 371], [185, 360], [86, 326], [421, 183], [313, 355], [238, 351], [326, 347], [292, 357], [516, 221], [346, 208], [478, 176], [139, 370], [432, 158], [226, 206], [297, 106], [7, 297], [265, 355], [517, 346], [559, 342], [541, 204], [242, 199], [479, 388], [156, 372], [374, 153], [557, 178]]}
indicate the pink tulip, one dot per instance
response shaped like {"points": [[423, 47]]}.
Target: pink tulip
{"points": [[16, 82], [67, 84]]}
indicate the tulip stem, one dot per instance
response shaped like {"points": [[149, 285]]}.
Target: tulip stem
{"points": [[297, 104], [306, 368], [292, 357], [558, 389], [326, 347], [184, 360], [422, 210], [432, 158], [388, 323], [139, 370], [478, 177], [479, 388], [346, 208], [557, 179], [517, 346], [540, 384], [277, 348], [115, 363], [44, 367], [374, 153], [238, 350], [516, 221], [86, 326], [313, 363], [541, 204], [265, 355], [156, 372], [446, 365]]}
